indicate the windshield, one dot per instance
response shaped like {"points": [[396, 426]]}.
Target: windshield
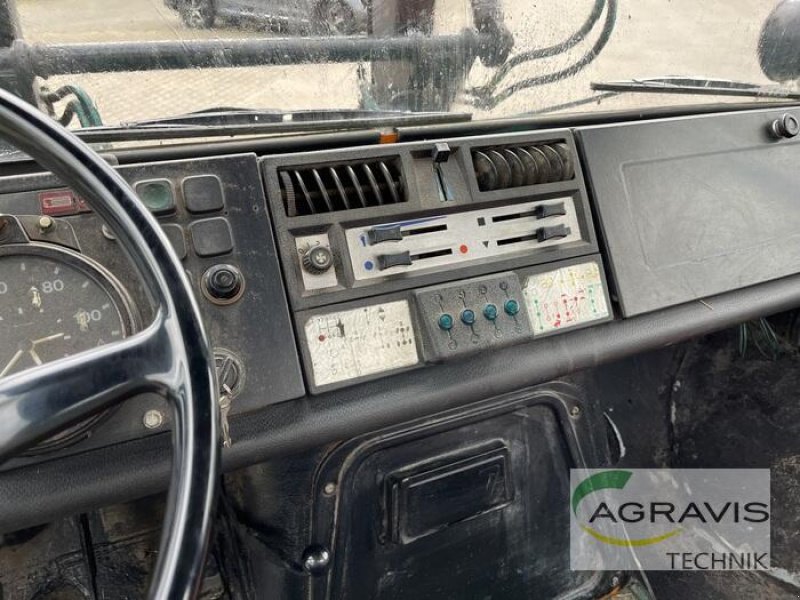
{"points": [[487, 58]]}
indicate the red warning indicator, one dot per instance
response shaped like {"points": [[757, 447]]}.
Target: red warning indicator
{"points": [[59, 203]]}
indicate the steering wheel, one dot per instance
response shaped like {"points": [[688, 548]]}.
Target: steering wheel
{"points": [[171, 356]]}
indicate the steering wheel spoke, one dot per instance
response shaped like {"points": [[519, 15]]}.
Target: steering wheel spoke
{"points": [[172, 356], [47, 398]]}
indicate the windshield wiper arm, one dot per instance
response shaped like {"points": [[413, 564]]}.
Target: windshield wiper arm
{"points": [[238, 121], [696, 85], [231, 116]]}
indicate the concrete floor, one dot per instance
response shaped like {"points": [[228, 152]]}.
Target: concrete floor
{"points": [[653, 37]]}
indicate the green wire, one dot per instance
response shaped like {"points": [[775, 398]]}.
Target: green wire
{"points": [[763, 337], [91, 114]]}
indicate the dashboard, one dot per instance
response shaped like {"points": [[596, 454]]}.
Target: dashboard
{"points": [[349, 288]]}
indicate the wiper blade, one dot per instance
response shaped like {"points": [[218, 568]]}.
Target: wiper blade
{"points": [[696, 85], [226, 121], [224, 115]]}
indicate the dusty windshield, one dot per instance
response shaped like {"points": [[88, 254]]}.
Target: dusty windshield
{"points": [[123, 61]]}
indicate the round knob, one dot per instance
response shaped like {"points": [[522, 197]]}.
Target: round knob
{"points": [[223, 284], [511, 307], [467, 316], [490, 312], [316, 560], [446, 322], [317, 260], [785, 127]]}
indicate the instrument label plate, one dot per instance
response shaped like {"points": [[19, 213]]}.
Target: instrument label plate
{"points": [[566, 297], [359, 342]]}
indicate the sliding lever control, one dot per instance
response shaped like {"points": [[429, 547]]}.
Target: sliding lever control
{"points": [[441, 153], [550, 233], [550, 210], [378, 235], [387, 261]]}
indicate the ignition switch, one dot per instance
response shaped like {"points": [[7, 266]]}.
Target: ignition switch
{"points": [[223, 284]]}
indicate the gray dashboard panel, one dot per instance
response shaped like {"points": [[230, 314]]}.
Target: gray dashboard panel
{"points": [[695, 206], [249, 329]]}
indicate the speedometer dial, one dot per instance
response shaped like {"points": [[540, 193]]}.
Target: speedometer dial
{"points": [[55, 303]]}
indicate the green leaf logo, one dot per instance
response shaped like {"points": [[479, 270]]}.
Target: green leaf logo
{"points": [[615, 480]]}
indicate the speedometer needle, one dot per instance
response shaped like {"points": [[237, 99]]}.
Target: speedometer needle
{"points": [[32, 351], [49, 338], [13, 361], [35, 343], [35, 356]]}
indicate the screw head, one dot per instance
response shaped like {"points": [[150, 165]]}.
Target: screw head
{"points": [[153, 419], [575, 411], [329, 489]]}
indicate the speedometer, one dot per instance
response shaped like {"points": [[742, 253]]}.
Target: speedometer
{"points": [[55, 303]]}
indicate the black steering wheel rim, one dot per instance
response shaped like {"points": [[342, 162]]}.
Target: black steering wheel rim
{"points": [[171, 356]]}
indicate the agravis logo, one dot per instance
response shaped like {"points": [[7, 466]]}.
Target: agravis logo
{"points": [[669, 519], [604, 481]]}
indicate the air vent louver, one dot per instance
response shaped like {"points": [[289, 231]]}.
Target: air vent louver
{"points": [[341, 186], [502, 167]]}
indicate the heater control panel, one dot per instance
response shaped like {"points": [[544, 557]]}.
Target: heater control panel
{"points": [[407, 254]]}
